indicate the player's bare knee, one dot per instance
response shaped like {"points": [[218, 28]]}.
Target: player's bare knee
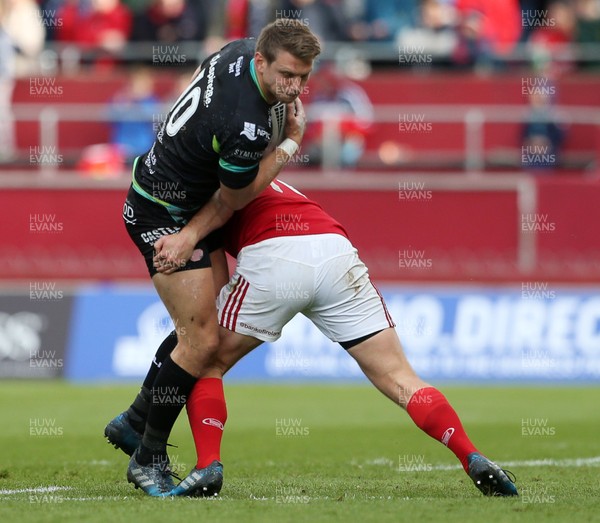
{"points": [[199, 335], [203, 345], [197, 352]]}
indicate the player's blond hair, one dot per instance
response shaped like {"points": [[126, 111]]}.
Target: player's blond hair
{"points": [[287, 34]]}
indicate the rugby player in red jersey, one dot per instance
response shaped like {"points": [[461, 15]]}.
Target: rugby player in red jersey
{"points": [[339, 298]]}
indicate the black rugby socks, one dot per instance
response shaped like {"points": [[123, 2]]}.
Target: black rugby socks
{"points": [[138, 411], [169, 394]]}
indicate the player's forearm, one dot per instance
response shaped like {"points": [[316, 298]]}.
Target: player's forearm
{"points": [[209, 218], [269, 168]]}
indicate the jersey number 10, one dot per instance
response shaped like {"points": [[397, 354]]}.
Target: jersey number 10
{"points": [[192, 96]]}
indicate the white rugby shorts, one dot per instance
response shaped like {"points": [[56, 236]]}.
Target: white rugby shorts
{"points": [[320, 276]]}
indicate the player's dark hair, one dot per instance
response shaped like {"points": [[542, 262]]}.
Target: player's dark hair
{"points": [[289, 35]]}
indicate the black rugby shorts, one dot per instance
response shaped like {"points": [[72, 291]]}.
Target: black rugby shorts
{"points": [[147, 221]]}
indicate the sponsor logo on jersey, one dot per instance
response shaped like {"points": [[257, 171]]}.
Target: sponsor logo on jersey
{"points": [[210, 80], [259, 330], [153, 235], [249, 131], [252, 133], [447, 435], [236, 67], [213, 422], [129, 213], [150, 160], [248, 155]]}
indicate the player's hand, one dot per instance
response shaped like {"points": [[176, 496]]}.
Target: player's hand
{"points": [[173, 251], [295, 122]]}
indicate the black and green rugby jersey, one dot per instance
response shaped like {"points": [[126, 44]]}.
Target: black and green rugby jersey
{"points": [[216, 132]]}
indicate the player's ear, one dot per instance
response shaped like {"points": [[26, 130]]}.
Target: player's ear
{"points": [[260, 62]]}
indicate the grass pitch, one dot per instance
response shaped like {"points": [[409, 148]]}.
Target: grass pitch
{"points": [[305, 453]]}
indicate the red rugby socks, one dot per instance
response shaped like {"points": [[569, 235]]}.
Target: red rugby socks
{"points": [[207, 413], [432, 413]]}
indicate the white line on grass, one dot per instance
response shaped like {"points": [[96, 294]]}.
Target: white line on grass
{"points": [[36, 490], [569, 462], [96, 498]]}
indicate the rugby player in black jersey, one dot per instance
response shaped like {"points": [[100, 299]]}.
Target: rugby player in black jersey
{"points": [[211, 156]]}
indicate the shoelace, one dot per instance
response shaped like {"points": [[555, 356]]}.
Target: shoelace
{"points": [[165, 469], [172, 474], [510, 475], [169, 471]]}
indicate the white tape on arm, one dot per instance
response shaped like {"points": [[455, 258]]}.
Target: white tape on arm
{"points": [[289, 146]]}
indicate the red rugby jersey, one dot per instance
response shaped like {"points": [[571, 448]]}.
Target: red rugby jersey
{"points": [[280, 210]]}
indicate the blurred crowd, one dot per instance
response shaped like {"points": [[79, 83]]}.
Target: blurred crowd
{"points": [[463, 32], [478, 34]]}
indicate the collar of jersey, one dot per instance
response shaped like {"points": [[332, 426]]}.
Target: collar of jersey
{"points": [[255, 79]]}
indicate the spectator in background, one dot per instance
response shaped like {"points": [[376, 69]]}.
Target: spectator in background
{"points": [[245, 18], [171, 21], [102, 25], [136, 114], [260, 14], [488, 30], [7, 62], [542, 136], [588, 27], [551, 39], [532, 11], [472, 47], [558, 28], [237, 19], [134, 6], [435, 32], [49, 14], [137, 102], [324, 17], [23, 24], [384, 20], [335, 97]]}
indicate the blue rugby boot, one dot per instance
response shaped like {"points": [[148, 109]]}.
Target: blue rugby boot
{"points": [[201, 482], [122, 435], [155, 479], [489, 478]]}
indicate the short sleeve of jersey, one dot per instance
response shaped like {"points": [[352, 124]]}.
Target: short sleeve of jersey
{"points": [[238, 159]]}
